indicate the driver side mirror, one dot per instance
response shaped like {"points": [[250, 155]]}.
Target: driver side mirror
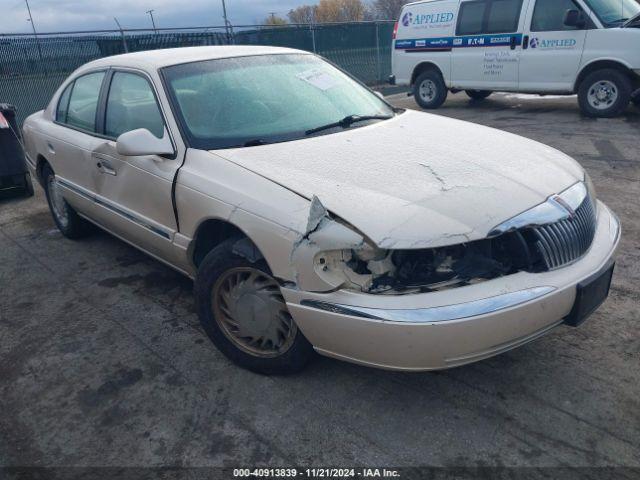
{"points": [[142, 142], [575, 18]]}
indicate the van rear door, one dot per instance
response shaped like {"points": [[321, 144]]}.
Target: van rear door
{"points": [[488, 43], [552, 51]]}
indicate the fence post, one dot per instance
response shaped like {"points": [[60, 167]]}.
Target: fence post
{"points": [[378, 71], [313, 36]]}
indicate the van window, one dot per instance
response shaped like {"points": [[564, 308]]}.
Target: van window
{"points": [[548, 15], [489, 16], [471, 18], [132, 105], [84, 101], [504, 16]]}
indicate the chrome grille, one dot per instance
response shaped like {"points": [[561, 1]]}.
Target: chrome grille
{"points": [[563, 242]]}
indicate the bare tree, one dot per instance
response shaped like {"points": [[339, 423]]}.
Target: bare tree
{"points": [[274, 20], [388, 9], [303, 14]]}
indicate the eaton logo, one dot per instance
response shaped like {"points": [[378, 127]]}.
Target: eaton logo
{"points": [[434, 18], [552, 43]]}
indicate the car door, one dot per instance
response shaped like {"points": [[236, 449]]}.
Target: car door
{"points": [[487, 45], [72, 137], [552, 51], [134, 193]]}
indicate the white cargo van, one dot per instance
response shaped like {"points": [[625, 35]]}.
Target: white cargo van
{"points": [[588, 47]]}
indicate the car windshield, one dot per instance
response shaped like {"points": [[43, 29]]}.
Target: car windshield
{"points": [[614, 13], [254, 100]]}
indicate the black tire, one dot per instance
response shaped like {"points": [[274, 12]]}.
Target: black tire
{"points": [[75, 226], [636, 101], [588, 88], [28, 186], [219, 261], [430, 81], [478, 94]]}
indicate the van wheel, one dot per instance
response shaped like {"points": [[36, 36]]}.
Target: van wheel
{"points": [[478, 94], [604, 93], [429, 90], [244, 314], [67, 220]]}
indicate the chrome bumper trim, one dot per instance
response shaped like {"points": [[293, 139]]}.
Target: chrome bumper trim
{"points": [[436, 314]]}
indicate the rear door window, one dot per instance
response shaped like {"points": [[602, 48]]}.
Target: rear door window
{"points": [[83, 103], [504, 16], [63, 105], [471, 17], [489, 16]]}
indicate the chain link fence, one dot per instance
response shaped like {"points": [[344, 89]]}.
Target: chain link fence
{"points": [[32, 68]]}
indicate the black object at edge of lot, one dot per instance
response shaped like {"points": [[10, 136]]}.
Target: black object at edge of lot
{"points": [[14, 176]]}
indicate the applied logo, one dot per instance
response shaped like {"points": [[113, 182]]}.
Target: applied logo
{"points": [[552, 43], [431, 19]]}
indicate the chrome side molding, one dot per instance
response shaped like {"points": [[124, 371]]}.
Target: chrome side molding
{"points": [[436, 314]]}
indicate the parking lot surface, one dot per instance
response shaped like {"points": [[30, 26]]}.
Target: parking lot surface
{"points": [[103, 361]]}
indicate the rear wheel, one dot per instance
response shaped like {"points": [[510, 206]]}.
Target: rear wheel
{"points": [[67, 220], [478, 94], [430, 90], [604, 93], [242, 310]]}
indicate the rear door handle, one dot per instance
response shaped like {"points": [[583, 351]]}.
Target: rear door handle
{"points": [[514, 42], [525, 42]]}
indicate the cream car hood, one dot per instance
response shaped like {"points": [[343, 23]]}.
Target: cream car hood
{"points": [[418, 180]]}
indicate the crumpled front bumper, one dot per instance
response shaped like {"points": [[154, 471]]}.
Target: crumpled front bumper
{"points": [[450, 328]]}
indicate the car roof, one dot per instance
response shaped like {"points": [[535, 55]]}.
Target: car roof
{"points": [[155, 59]]}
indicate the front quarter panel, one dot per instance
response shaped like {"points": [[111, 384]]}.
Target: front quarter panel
{"points": [[274, 218], [617, 44]]}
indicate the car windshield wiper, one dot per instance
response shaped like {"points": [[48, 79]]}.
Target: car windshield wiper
{"points": [[620, 21], [347, 122], [255, 142], [632, 20]]}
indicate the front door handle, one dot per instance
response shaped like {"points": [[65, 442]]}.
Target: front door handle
{"points": [[525, 42], [514, 42], [104, 164]]}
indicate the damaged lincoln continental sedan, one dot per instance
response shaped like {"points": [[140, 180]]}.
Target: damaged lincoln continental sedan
{"points": [[313, 216]]}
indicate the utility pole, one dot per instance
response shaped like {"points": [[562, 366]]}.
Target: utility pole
{"points": [[153, 22], [35, 34], [227, 24], [124, 40]]}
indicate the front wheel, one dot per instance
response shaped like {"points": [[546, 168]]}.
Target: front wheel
{"points": [[430, 90], [243, 312], [478, 94], [604, 93]]}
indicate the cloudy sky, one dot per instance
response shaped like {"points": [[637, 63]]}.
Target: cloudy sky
{"points": [[68, 15]]}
